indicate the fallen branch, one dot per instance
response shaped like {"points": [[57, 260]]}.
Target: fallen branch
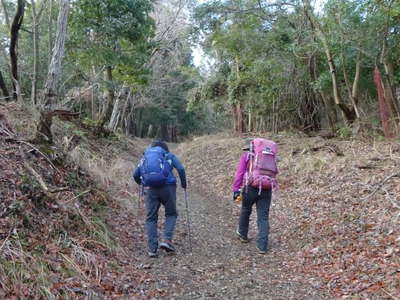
{"points": [[391, 199], [13, 138], [397, 174], [390, 295], [37, 150], [65, 115], [39, 178], [327, 146], [6, 131], [5, 126], [367, 167], [79, 195]]}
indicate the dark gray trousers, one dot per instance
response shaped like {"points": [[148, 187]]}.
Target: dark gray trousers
{"points": [[263, 202], [154, 198]]}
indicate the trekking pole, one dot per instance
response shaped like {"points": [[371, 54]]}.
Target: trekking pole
{"points": [[139, 197], [188, 221]]}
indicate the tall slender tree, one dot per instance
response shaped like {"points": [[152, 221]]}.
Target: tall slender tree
{"points": [[15, 28], [43, 133]]}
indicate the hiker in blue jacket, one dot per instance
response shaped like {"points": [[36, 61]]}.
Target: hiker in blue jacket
{"points": [[154, 172]]}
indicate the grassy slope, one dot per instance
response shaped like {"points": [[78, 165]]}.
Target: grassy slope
{"points": [[340, 234]]}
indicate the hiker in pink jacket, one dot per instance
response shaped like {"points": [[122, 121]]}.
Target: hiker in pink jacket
{"points": [[255, 178]]}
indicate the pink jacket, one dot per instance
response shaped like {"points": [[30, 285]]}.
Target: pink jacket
{"points": [[240, 171]]}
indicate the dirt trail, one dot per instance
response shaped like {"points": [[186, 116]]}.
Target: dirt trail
{"points": [[219, 266]]}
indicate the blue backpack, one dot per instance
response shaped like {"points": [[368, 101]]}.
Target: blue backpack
{"points": [[154, 167]]}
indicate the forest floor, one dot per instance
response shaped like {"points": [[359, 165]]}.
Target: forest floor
{"points": [[334, 221]]}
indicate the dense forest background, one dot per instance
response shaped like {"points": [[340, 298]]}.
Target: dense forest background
{"points": [[127, 65]]}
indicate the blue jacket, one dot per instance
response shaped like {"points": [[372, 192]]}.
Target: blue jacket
{"points": [[175, 163]]}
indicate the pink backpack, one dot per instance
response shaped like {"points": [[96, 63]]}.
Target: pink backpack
{"points": [[262, 168]]}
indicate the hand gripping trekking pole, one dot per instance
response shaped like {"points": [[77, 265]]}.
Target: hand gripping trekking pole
{"points": [[188, 221]]}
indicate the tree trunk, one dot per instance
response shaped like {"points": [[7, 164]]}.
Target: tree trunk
{"points": [[50, 29], [249, 123], [237, 118], [110, 98], [122, 123], [164, 132], [239, 114], [130, 124], [388, 86], [331, 117], [174, 134], [43, 133], [93, 105], [274, 117], [55, 68], [235, 127], [390, 100], [330, 110], [3, 87], [35, 52], [356, 83], [139, 123], [150, 131], [115, 113], [353, 91], [383, 109], [7, 18], [15, 27], [349, 113], [35, 28]]}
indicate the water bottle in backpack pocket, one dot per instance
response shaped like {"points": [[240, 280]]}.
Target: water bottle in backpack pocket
{"points": [[154, 167], [262, 167]]}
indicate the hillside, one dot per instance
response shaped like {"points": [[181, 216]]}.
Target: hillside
{"points": [[56, 205], [73, 227]]}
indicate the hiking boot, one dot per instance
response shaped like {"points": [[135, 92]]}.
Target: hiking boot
{"points": [[152, 253], [260, 251], [241, 237], [167, 246]]}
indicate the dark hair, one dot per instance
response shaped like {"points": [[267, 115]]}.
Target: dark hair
{"points": [[246, 144], [161, 144]]}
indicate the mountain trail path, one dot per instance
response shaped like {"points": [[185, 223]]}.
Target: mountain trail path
{"points": [[218, 266]]}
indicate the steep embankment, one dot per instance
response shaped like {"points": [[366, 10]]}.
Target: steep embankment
{"points": [[335, 220], [54, 237]]}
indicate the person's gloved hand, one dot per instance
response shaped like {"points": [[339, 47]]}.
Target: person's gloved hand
{"points": [[235, 195], [183, 185]]}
